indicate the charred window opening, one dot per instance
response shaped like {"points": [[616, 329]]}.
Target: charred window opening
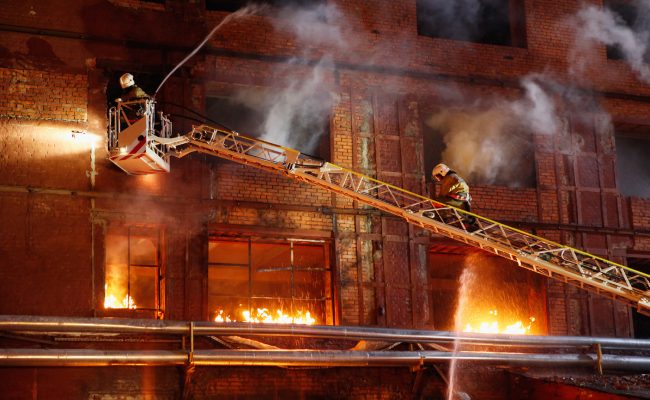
{"points": [[257, 113], [631, 16], [632, 149], [486, 147], [499, 22], [274, 281], [133, 270]]}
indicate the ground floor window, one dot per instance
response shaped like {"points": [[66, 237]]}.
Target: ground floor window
{"points": [[474, 291], [133, 269], [273, 281]]}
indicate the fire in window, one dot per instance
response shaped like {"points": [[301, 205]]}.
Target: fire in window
{"points": [[269, 281], [133, 270]]}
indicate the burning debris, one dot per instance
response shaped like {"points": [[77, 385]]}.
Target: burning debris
{"points": [[492, 324], [265, 316]]}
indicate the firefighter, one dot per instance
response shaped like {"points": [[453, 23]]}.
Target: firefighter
{"points": [[131, 91], [132, 101], [454, 191]]}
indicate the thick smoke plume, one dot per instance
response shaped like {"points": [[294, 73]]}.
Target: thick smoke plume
{"points": [[491, 142], [603, 26]]}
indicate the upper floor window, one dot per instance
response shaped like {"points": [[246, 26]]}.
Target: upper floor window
{"points": [[277, 281], [485, 147], [632, 149], [262, 114], [631, 15], [499, 22], [133, 270]]}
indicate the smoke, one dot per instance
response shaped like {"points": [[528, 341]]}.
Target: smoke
{"points": [[297, 114], [603, 26], [298, 103], [491, 141], [318, 25]]}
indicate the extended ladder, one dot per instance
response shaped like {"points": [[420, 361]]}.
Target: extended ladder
{"points": [[545, 257]]}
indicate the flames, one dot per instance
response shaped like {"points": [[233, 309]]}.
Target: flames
{"points": [[492, 324], [264, 316], [112, 295]]}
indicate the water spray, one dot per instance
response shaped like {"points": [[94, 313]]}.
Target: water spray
{"points": [[239, 13]]}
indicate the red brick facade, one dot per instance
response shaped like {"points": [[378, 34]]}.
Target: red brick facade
{"points": [[59, 194]]}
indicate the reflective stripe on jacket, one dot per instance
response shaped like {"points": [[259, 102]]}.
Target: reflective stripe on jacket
{"points": [[455, 187]]}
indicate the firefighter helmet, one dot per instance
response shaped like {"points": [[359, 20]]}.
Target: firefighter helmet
{"points": [[439, 171], [126, 80]]}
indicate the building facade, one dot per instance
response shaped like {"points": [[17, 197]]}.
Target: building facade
{"points": [[547, 121]]}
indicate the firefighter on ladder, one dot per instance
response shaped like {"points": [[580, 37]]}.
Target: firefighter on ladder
{"points": [[454, 191]]}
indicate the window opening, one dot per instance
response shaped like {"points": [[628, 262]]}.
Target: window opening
{"points": [[502, 150], [632, 149], [133, 270], [631, 16], [499, 22], [269, 281], [247, 113]]}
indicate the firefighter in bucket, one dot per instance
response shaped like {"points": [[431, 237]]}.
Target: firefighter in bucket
{"points": [[132, 101]]}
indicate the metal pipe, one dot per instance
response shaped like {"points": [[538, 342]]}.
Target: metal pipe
{"points": [[203, 328], [307, 358]]}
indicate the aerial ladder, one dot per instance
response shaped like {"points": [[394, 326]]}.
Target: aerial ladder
{"points": [[146, 145]]}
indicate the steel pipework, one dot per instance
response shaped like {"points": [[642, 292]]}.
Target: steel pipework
{"points": [[80, 326]]}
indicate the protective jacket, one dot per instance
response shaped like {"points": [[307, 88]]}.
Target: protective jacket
{"points": [[454, 190], [134, 93]]}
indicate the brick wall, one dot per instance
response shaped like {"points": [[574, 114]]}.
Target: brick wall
{"points": [[42, 95], [502, 203]]}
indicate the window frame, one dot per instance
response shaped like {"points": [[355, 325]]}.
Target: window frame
{"points": [[327, 299], [516, 29], [133, 231]]}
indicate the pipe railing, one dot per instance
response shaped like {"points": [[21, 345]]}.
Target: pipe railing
{"points": [[63, 325], [587, 351], [309, 358]]}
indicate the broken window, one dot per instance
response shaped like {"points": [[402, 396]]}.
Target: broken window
{"points": [[499, 22], [269, 281], [133, 270], [632, 149]]}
